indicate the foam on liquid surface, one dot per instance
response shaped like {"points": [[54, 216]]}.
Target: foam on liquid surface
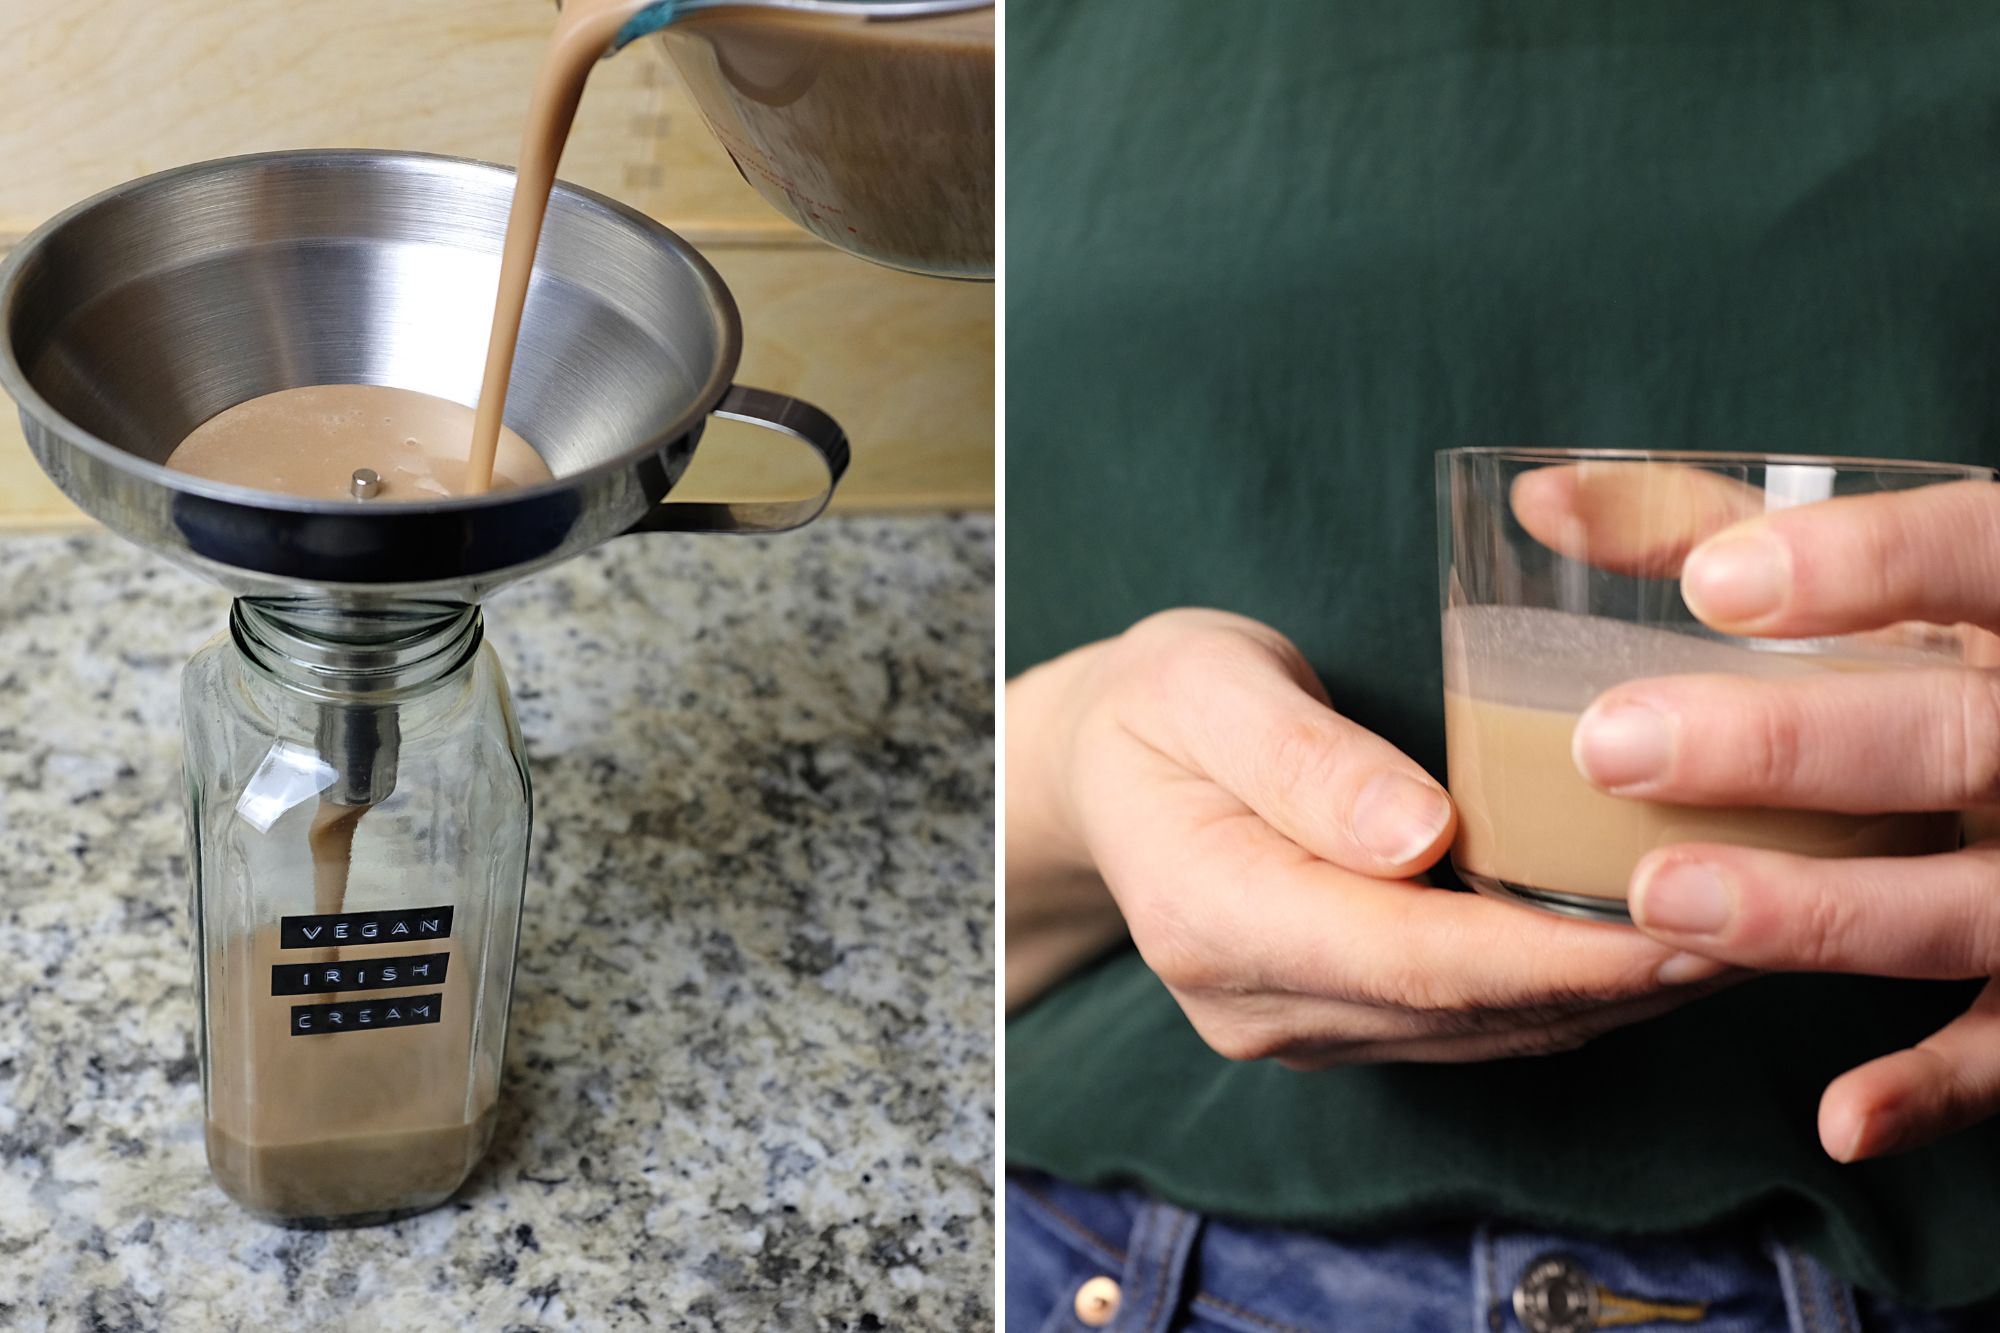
{"points": [[1541, 658], [1516, 680], [308, 441]]}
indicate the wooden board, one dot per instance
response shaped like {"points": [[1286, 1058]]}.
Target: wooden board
{"points": [[102, 92], [904, 363]]}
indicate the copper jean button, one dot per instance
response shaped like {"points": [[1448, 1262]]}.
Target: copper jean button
{"points": [[1097, 1302]]}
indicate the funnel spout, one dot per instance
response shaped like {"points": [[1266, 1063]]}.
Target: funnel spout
{"points": [[359, 742]]}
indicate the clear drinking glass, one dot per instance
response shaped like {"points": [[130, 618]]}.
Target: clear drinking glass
{"points": [[1560, 577], [358, 811]]}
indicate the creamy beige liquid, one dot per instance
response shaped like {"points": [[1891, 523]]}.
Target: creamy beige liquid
{"points": [[347, 1123], [1527, 817], [331, 841], [1516, 682], [309, 441], [352, 1174], [344, 1123], [583, 33]]}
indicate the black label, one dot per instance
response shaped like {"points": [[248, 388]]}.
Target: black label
{"points": [[417, 969], [312, 1020], [401, 927]]}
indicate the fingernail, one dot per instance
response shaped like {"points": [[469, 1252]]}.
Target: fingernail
{"points": [[1739, 578], [1881, 1132], [1842, 1141], [1855, 1140], [1684, 969], [1682, 898], [1875, 1132], [1622, 745], [1398, 818]]}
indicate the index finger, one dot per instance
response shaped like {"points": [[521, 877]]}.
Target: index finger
{"points": [[1636, 518], [1245, 713], [1853, 563]]}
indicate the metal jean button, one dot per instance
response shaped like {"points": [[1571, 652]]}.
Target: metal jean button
{"points": [[1555, 1295]]}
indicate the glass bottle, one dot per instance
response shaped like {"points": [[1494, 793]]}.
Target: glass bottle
{"points": [[358, 811]]}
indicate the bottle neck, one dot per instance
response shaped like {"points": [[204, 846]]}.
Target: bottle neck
{"points": [[337, 654]]}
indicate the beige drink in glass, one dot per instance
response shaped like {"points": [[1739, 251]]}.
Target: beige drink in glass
{"points": [[1517, 679], [1561, 579]]}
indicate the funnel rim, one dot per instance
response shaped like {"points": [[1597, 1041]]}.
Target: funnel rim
{"points": [[14, 379]]}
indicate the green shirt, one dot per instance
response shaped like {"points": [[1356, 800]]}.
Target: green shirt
{"points": [[1264, 258]]}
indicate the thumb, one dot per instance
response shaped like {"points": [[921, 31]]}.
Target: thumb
{"points": [[1234, 707]]}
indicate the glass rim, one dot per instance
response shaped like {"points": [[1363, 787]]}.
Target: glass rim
{"points": [[1698, 457]]}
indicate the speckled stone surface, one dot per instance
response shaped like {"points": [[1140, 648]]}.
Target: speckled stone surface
{"points": [[749, 1083]]}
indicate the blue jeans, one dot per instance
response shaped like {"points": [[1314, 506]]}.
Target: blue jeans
{"points": [[1179, 1271]]}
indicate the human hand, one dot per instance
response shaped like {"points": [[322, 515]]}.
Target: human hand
{"points": [[1637, 518], [1262, 850], [1873, 741]]}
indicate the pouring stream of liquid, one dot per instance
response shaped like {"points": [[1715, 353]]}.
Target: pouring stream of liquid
{"points": [[584, 32]]}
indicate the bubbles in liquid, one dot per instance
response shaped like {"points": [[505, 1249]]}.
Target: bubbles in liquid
{"points": [[1515, 680], [309, 440], [1541, 658]]}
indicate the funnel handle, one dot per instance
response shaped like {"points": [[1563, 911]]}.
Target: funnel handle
{"points": [[773, 411]]}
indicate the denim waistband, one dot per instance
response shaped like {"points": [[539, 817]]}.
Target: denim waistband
{"points": [[1178, 1270]]}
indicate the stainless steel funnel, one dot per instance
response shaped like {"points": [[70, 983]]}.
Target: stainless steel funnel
{"points": [[134, 316]]}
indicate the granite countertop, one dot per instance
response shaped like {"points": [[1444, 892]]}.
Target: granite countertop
{"points": [[749, 1083]]}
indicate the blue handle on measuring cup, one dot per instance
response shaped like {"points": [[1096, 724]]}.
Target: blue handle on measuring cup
{"points": [[654, 17]]}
